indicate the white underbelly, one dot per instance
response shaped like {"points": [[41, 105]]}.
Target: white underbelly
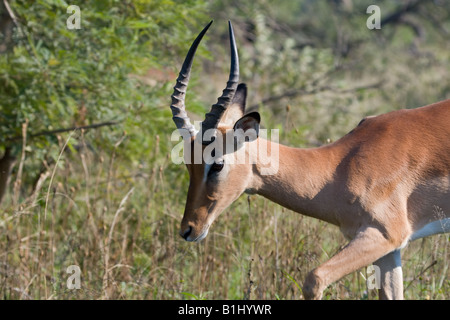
{"points": [[435, 227]]}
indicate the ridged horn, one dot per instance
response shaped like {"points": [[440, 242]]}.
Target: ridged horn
{"points": [[178, 107], [213, 117]]}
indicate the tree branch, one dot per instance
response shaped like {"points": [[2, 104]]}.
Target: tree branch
{"points": [[6, 163], [50, 132], [11, 13], [298, 92], [396, 16]]}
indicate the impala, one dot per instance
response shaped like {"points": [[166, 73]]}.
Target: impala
{"points": [[380, 183]]}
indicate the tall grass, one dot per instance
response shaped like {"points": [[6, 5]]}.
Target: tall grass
{"points": [[119, 225]]}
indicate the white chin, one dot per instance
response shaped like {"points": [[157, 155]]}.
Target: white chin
{"points": [[202, 236]]}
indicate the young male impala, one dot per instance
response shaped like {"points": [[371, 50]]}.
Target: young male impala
{"points": [[380, 183]]}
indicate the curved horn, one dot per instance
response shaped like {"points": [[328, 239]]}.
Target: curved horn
{"points": [[213, 117], [179, 91]]}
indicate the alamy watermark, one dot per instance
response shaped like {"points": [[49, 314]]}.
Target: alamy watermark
{"points": [[373, 280], [231, 147], [74, 280], [374, 21], [74, 21]]}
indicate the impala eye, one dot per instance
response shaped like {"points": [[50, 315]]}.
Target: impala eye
{"points": [[216, 167]]}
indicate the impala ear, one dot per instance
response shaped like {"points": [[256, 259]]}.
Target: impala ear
{"points": [[247, 128], [237, 107]]}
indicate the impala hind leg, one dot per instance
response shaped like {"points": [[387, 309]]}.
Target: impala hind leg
{"points": [[368, 246], [391, 276]]}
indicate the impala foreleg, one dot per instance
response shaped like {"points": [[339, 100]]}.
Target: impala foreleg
{"points": [[368, 246]]}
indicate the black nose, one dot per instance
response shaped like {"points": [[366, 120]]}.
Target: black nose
{"points": [[186, 233]]}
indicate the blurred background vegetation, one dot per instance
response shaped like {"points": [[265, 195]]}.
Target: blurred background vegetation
{"points": [[85, 172]]}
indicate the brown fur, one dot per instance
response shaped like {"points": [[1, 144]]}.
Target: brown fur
{"points": [[379, 184]]}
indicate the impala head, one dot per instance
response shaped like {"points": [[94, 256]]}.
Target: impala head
{"points": [[217, 177]]}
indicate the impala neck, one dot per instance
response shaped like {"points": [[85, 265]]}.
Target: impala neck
{"points": [[304, 181]]}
